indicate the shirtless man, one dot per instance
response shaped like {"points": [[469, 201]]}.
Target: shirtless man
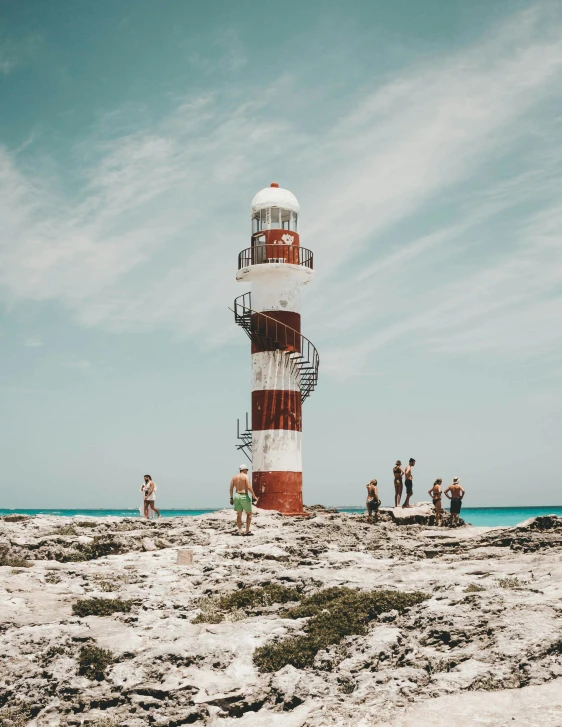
{"points": [[435, 494], [455, 493], [373, 501], [409, 481], [239, 488]]}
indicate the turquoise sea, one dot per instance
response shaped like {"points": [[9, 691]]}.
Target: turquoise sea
{"points": [[481, 516]]}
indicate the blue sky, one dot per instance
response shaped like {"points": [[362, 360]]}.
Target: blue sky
{"points": [[423, 143]]}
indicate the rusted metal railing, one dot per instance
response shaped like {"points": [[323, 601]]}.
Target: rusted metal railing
{"points": [[269, 334]]}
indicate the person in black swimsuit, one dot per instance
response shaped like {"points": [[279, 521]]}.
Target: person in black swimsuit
{"points": [[409, 481], [398, 472], [435, 494], [373, 502]]}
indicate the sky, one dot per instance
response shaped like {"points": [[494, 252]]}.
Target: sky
{"points": [[423, 141]]}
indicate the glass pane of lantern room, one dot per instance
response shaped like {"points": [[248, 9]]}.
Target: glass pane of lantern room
{"points": [[255, 222], [294, 222], [286, 219], [263, 219], [275, 218]]}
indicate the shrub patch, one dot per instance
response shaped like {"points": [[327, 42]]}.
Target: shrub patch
{"points": [[215, 610], [100, 547], [15, 716], [15, 562], [100, 606], [333, 614], [93, 662]]}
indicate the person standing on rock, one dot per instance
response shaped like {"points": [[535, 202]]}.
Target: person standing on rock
{"points": [[409, 482], [373, 502], [455, 493], [435, 494], [150, 496], [144, 508], [398, 484], [240, 491]]}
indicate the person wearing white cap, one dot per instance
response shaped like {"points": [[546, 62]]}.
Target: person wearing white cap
{"points": [[240, 491], [455, 493]]}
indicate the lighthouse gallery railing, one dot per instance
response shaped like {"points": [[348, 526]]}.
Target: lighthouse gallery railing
{"points": [[272, 335], [275, 253]]}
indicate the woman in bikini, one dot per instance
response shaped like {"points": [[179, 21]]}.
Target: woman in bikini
{"points": [[373, 501], [398, 484], [435, 494]]}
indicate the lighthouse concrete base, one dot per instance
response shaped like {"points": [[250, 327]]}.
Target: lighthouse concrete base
{"points": [[281, 491]]}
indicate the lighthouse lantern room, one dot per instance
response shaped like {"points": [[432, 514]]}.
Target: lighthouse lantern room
{"points": [[284, 362]]}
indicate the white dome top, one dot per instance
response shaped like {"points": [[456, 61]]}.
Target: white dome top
{"points": [[275, 196]]}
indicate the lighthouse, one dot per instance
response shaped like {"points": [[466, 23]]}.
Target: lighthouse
{"points": [[284, 363]]}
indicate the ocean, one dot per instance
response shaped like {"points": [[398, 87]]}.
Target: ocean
{"points": [[480, 516]]}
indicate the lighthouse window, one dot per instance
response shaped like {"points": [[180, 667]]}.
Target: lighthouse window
{"points": [[286, 219], [274, 217], [295, 224], [255, 222]]}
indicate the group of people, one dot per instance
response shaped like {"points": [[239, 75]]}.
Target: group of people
{"points": [[454, 493], [242, 496]]}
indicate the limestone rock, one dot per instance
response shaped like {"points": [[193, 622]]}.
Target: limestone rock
{"points": [[488, 641], [148, 544]]}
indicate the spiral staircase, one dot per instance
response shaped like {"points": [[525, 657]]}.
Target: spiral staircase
{"points": [[268, 334]]}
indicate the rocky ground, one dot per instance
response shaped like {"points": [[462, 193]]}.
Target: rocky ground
{"points": [[484, 647]]}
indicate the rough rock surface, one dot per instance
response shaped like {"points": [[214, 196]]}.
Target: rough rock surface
{"points": [[485, 648]]}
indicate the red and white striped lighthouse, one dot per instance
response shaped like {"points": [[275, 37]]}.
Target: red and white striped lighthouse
{"points": [[284, 362]]}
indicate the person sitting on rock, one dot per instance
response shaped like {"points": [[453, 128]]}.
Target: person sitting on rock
{"points": [[455, 493], [373, 502], [435, 494]]}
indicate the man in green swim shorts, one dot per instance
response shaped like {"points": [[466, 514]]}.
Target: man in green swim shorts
{"points": [[242, 496]]}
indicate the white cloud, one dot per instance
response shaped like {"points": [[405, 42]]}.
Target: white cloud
{"points": [[33, 342], [80, 365], [6, 66], [150, 239]]}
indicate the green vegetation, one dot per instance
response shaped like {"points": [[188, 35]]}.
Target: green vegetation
{"points": [[473, 588], [17, 715], [86, 524], [333, 614], [108, 586], [52, 653], [100, 606], [66, 530], [93, 662], [215, 610], [509, 583], [346, 685], [15, 562], [100, 547], [16, 518]]}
